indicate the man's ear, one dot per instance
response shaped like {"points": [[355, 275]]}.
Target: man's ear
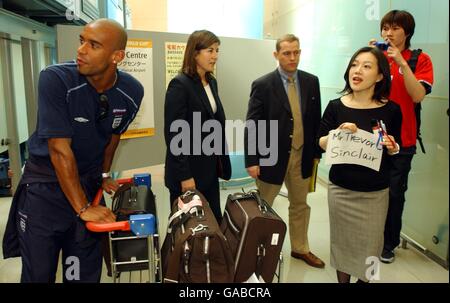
{"points": [[118, 56], [275, 55]]}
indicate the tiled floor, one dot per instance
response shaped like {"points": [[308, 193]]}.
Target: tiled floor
{"points": [[410, 265]]}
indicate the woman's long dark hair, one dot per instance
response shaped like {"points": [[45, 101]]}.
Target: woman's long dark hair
{"points": [[197, 41], [383, 87]]}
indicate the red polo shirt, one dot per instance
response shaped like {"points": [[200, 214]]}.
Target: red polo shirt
{"points": [[399, 94]]}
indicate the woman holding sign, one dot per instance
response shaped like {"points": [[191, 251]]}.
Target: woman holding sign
{"points": [[358, 193]]}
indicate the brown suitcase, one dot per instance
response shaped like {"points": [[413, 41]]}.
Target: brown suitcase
{"points": [[255, 234], [195, 250]]}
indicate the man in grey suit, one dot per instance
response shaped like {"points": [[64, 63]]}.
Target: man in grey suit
{"points": [[292, 98]]}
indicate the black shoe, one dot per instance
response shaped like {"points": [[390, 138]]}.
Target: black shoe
{"points": [[387, 256]]}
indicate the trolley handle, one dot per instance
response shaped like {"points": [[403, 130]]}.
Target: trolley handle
{"points": [[107, 227]]}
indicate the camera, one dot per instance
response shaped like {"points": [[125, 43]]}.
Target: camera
{"points": [[382, 45]]}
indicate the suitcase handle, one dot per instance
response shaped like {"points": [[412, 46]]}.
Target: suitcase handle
{"points": [[261, 204], [106, 227], [251, 195], [99, 194]]}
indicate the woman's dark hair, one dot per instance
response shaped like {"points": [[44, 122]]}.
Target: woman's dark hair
{"points": [[197, 41], [383, 87], [403, 19]]}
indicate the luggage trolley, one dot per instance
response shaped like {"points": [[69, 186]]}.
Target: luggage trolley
{"points": [[133, 243]]}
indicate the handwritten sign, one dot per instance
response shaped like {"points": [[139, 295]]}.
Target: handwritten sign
{"points": [[354, 148]]}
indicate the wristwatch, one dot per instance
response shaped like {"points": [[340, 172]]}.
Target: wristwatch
{"points": [[106, 175]]}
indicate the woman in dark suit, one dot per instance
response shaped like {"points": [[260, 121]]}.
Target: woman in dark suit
{"points": [[194, 125]]}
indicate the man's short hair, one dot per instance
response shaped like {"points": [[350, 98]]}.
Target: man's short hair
{"points": [[288, 38], [403, 19]]}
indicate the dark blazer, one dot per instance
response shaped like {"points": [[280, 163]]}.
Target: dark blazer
{"points": [[269, 101], [184, 96]]}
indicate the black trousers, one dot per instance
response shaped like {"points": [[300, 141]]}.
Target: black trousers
{"points": [[401, 166], [211, 193]]}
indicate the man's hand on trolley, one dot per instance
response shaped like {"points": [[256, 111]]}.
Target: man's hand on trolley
{"points": [[98, 213]]}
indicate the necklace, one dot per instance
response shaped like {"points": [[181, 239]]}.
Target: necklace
{"points": [[115, 80], [93, 82]]}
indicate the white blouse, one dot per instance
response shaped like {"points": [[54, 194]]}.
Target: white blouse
{"points": [[212, 101]]}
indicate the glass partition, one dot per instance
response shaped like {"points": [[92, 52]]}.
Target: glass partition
{"points": [[329, 35]]}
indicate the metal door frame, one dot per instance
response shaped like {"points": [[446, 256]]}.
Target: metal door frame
{"points": [[10, 108]]}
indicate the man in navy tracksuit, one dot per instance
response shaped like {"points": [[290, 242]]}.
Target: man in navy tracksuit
{"points": [[83, 108]]}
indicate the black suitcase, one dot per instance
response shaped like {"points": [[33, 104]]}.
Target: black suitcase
{"points": [[255, 233], [131, 200]]}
